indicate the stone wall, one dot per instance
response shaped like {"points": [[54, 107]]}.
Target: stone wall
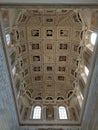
{"points": [[90, 120], [8, 118]]}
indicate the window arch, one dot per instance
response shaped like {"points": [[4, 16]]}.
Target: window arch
{"points": [[62, 113], [37, 112]]}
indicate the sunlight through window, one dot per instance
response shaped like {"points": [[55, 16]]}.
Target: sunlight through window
{"points": [[62, 113], [86, 71], [8, 39], [80, 98], [93, 38], [14, 70], [37, 112]]}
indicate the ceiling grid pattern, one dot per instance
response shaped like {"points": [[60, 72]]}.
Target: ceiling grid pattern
{"points": [[52, 40]]}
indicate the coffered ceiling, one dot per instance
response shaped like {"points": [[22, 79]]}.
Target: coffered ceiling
{"points": [[49, 51]]}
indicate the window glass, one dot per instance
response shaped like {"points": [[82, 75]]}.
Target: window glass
{"points": [[93, 38], [62, 113], [14, 70], [8, 39], [86, 71], [80, 98], [37, 112]]}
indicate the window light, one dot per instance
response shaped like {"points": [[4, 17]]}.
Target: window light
{"points": [[62, 113], [93, 38], [37, 112], [14, 70], [8, 39], [86, 71], [81, 96]]}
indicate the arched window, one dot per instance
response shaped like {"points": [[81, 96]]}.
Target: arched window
{"points": [[8, 39], [62, 113], [14, 70], [80, 97], [37, 112], [86, 71], [93, 38]]}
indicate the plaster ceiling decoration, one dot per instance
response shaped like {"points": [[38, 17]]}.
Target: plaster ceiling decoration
{"points": [[49, 50]]}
